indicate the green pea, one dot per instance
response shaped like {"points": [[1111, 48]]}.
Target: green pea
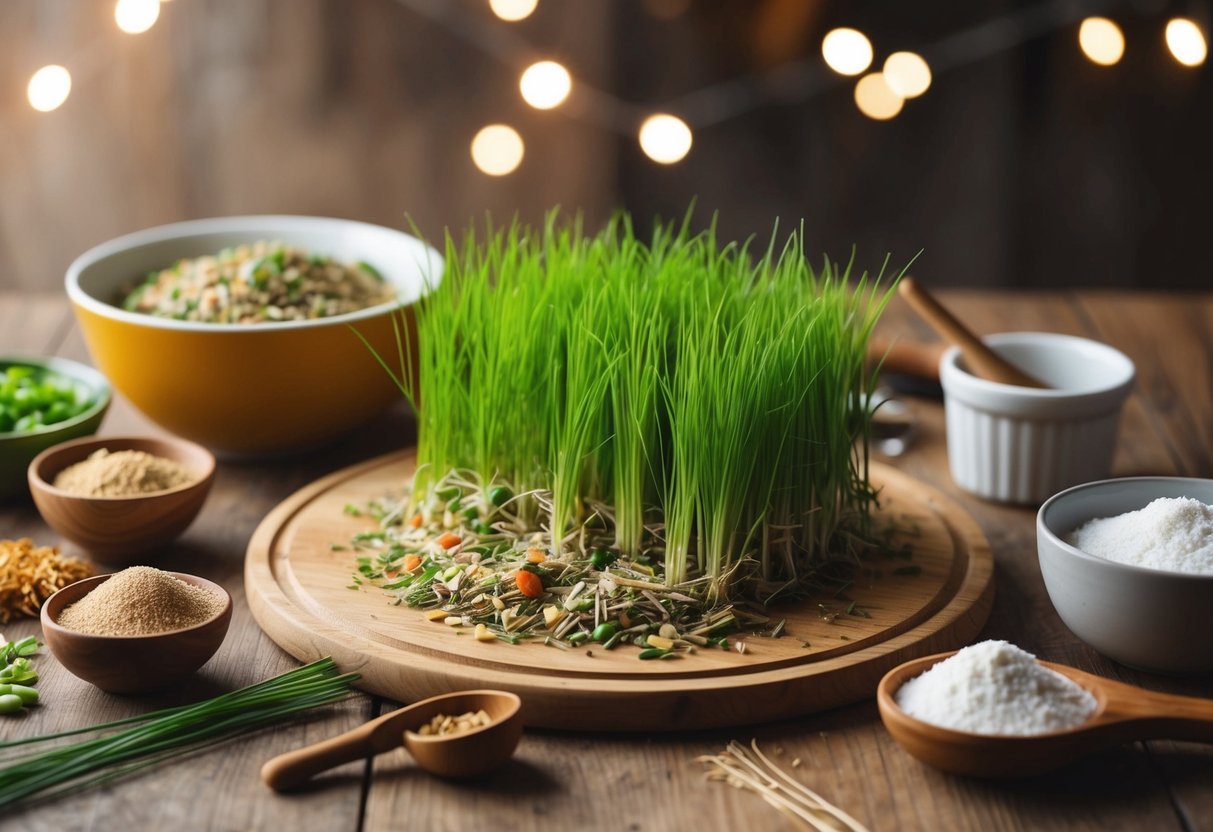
{"points": [[471, 513], [499, 495], [602, 558], [10, 703], [482, 528], [603, 631], [28, 695], [447, 494]]}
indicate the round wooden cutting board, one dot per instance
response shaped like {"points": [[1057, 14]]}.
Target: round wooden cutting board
{"points": [[298, 589]]}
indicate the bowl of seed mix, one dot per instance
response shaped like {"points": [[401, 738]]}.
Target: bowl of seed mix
{"points": [[121, 498], [249, 334], [136, 630]]}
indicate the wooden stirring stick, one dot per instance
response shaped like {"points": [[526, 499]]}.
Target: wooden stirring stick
{"points": [[981, 360]]}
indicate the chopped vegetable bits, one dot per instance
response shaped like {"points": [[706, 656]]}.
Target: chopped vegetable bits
{"points": [[31, 398], [264, 281]]}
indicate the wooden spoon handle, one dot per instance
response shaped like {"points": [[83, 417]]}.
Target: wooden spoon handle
{"points": [[912, 358], [982, 360], [1155, 715], [294, 768]]}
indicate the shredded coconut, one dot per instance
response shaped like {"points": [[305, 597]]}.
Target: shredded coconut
{"points": [[1171, 534], [994, 687]]}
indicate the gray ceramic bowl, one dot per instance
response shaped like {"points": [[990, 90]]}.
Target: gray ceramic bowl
{"points": [[1144, 618]]}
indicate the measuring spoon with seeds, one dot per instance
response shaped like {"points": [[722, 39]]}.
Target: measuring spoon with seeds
{"points": [[460, 755]]}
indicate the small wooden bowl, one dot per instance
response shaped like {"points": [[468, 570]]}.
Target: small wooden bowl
{"points": [[120, 529], [133, 664]]}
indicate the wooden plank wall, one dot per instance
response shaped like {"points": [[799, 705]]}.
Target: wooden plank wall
{"points": [[354, 108]]}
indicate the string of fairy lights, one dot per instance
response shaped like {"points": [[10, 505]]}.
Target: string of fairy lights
{"points": [[667, 135]]}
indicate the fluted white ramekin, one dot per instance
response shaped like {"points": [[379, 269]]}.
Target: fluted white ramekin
{"points": [[1022, 445]]}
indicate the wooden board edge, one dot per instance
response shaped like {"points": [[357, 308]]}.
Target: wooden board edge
{"points": [[665, 704]]}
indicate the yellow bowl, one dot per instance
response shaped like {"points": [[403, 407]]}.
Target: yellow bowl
{"points": [[249, 388]]}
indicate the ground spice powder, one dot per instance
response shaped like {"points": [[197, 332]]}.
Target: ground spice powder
{"points": [[141, 601], [122, 474]]}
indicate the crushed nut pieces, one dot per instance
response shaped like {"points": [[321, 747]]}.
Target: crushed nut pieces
{"points": [[30, 574], [446, 725]]}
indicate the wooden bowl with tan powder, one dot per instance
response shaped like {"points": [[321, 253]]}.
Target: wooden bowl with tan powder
{"points": [[102, 516], [143, 661]]}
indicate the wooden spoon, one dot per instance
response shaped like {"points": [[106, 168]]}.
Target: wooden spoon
{"points": [[457, 756], [1124, 713], [981, 360]]}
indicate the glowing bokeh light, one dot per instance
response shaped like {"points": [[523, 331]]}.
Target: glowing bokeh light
{"points": [[1101, 41], [513, 10], [665, 138], [847, 51], [136, 16], [545, 85], [1186, 42], [876, 99], [49, 88], [907, 74], [497, 149]]}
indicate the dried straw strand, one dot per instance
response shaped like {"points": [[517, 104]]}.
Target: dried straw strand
{"points": [[754, 771]]}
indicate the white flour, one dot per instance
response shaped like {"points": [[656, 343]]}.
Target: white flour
{"points": [[994, 687], [1171, 534]]}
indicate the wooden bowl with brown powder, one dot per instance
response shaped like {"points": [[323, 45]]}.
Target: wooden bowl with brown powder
{"points": [[146, 631], [120, 498]]}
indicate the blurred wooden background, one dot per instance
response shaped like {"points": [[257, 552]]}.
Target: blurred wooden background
{"points": [[1031, 167]]}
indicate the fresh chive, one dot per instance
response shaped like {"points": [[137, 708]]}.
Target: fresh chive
{"points": [[155, 737]]}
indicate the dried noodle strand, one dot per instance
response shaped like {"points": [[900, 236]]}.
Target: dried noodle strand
{"points": [[737, 767]]}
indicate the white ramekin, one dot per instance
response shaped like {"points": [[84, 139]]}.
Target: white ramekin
{"points": [[1022, 445]]}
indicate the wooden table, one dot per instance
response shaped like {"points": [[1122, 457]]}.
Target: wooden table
{"points": [[592, 781]]}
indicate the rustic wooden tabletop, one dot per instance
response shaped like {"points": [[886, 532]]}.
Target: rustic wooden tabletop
{"points": [[602, 781]]}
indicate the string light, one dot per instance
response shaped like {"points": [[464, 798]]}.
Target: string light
{"points": [[1186, 41], [876, 99], [49, 88], [497, 150], [545, 85], [847, 51], [665, 138], [513, 10], [136, 16], [907, 74], [1101, 41]]}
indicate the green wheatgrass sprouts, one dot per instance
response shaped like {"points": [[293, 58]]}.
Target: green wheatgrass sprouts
{"points": [[691, 415]]}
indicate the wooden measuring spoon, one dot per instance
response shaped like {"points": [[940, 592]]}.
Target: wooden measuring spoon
{"points": [[1124, 713], [457, 756], [981, 360]]}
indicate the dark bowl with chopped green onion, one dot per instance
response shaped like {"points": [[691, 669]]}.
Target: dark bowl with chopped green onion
{"points": [[44, 401]]}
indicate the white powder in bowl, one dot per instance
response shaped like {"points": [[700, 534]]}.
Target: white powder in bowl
{"points": [[1171, 534], [994, 687]]}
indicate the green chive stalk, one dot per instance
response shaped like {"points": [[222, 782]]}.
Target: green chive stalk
{"points": [[156, 737]]}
